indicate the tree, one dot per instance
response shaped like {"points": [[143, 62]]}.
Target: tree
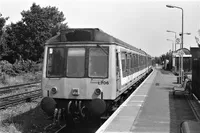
{"points": [[2, 34], [15, 41], [26, 38], [197, 38], [39, 23], [2, 23]]}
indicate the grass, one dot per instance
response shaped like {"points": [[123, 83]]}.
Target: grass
{"points": [[9, 129], [24, 78], [8, 124], [6, 80], [24, 118]]}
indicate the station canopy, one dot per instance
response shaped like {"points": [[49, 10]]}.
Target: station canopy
{"points": [[184, 52]]}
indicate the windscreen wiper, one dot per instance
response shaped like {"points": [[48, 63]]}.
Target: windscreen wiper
{"points": [[103, 49]]}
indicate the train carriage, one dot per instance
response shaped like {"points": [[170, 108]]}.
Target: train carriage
{"points": [[86, 70]]}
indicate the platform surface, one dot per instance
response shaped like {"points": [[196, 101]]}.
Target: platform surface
{"points": [[151, 108]]}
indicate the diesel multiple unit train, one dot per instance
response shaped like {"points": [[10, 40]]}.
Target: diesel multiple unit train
{"points": [[87, 71]]}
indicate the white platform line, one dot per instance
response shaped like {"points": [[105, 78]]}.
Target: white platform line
{"points": [[104, 126], [138, 132], [140, 95], [135, 101], [119, 132]]}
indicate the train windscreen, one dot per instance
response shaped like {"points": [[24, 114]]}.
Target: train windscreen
{"points": [[98, 62], [55, 62], [76, 62], [71, 62]]}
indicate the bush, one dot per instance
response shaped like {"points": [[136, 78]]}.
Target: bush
{"points": [[19, 72], [7, 68], [37, 67], [19, 67]]}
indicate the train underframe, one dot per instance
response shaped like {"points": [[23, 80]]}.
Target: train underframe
{"points": [[76, 111]]}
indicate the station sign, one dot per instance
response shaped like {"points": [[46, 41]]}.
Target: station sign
{"points": [[178, 40]]}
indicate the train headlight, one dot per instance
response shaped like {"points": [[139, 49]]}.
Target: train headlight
{"points": [[54, 90], [97, 91]]}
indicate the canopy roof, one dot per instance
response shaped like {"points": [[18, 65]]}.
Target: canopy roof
{"points": [[183, 51]]}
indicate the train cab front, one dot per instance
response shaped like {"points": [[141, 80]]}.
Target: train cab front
{"points": [[76, 79]]}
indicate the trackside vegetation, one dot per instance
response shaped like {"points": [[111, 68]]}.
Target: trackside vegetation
{"points": [[22, 43]]}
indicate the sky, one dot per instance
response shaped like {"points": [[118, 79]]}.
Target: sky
{"points": [[141, 23]]}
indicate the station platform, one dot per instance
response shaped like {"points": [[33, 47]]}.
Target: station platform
{"points": [[151, 108]]}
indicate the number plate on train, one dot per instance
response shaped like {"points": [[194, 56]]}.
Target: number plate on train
{"points": [[75, 91]]}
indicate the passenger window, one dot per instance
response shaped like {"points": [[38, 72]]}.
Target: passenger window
{"points": [[127, 64], [98, 62], [117, 64], [132, 63], [123, 60], [139, 57], [137, 63]]}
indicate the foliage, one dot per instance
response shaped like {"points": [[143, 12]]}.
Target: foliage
{"points": [[22, 43], [197, 38], [2, 23], [6, 68], [157, 60], [19, 72], [14, 42], [39, 22], [19, 67], [25, 39], [2, 34]]}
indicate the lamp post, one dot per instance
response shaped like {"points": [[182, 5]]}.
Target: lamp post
{"points": [[172, 44], [181, 61], [187, 33], [175, 37]]}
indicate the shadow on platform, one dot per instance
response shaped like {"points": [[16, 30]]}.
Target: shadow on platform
{"points": [[175, 83], [165, 71]]}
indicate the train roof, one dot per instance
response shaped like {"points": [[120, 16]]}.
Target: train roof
{"points": [[88, 35]]}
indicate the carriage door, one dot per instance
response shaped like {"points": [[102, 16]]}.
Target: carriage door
{"points": [[118, 81]]}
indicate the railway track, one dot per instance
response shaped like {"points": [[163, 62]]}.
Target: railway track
{"points": [[14, 99], [54, 128], [79, 128], [8, 89]]}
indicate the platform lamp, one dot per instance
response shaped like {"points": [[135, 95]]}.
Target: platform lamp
{"points": [[172, 44], [175, 37], [180, 34], [181, 61]]}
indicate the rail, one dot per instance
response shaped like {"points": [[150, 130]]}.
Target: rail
{"points": [[15, 87], [11, 100], [19, 85]]}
